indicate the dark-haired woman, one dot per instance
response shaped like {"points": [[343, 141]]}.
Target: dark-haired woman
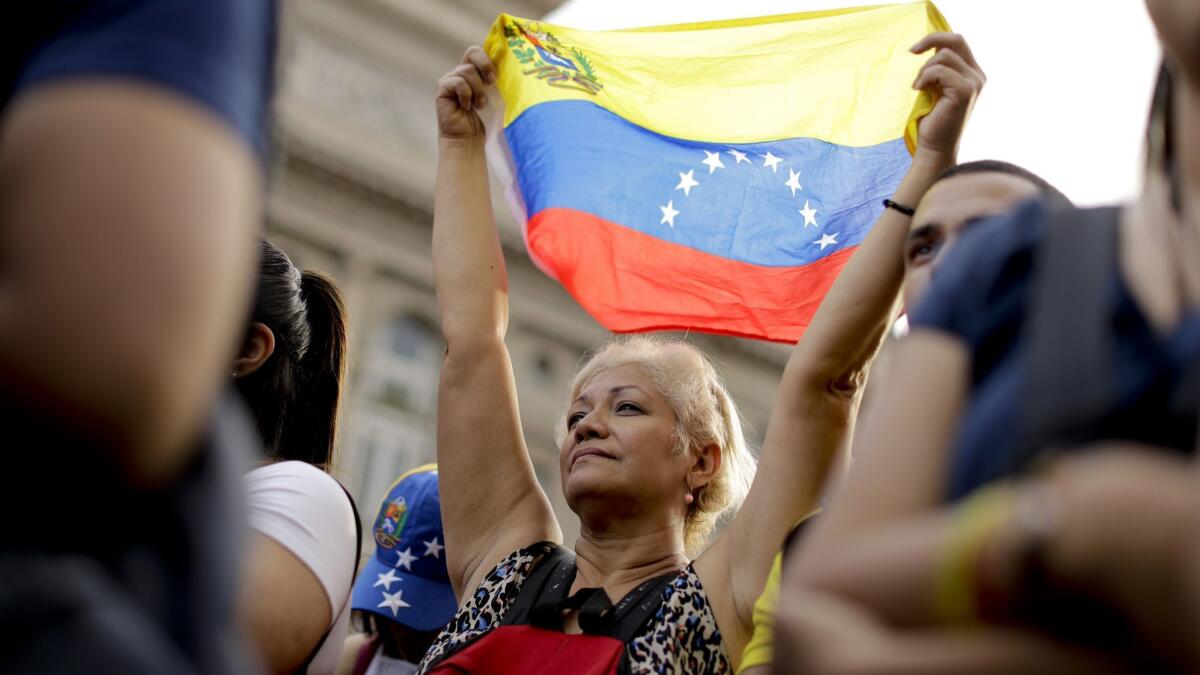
{"points": [[302, 560]]}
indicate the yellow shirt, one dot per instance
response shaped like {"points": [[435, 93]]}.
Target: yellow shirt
{"points": [[760, 648]]}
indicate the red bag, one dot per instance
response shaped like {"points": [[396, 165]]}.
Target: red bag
{"points": [[530, 638]]}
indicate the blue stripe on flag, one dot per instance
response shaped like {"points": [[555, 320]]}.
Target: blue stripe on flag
{"points": [[577, 155]]}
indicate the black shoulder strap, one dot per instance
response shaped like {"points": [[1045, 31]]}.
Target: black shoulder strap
{"points": [[303, 669], [548, 584], [639, 606], [546, 593], [598, 616], [357, 534], [1069, 377]]}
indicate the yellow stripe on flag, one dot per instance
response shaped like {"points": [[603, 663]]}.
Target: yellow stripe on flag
{"points": [[842, 76]]}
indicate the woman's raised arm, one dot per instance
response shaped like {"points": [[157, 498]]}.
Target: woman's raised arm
{"points": [[491, 501], [818, 397]]}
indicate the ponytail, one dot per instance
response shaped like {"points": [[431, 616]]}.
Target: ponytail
{"points": [[321, 371], [294, 394]]}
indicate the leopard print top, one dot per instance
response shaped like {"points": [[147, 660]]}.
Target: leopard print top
{"points": [[682, 639]]}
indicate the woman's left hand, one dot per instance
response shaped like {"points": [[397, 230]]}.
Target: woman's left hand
{"points": [[955, 80]]}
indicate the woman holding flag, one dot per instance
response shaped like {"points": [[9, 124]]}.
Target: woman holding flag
{"points": [[651, 452]]}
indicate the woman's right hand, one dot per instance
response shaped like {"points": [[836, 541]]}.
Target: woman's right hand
{"points": [[460, 93], [478, 422]]}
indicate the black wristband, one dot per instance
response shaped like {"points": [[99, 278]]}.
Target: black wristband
{"points": [[906, 210]]}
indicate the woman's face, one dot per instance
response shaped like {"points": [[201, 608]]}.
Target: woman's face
{"points": [[618, 452]]}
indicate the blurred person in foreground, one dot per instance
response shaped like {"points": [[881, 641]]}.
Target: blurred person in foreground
{"points": [[1051, 334], [1108, 540], [132, 151], [306, 535], [403, 596], [903, 251]]}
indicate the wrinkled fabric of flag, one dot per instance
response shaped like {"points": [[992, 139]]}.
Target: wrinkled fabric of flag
{"points": [[712, 176]]}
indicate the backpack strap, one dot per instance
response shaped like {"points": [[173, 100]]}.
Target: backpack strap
{"points": [[639, 606], [357, 534], [303, 669], [598, 616], [546, 586], [1069, 377], [546, 595]]}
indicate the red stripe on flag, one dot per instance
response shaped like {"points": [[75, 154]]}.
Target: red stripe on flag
{"points": [[633, 282]]}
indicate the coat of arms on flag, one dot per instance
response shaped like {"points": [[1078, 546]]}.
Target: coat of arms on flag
{"points": [[549, 59]]}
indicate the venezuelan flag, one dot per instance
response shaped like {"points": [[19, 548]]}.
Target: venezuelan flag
{"points": [[710, 176]]}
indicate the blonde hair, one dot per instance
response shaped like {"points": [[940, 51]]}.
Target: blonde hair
{"points": [[705, 414]]}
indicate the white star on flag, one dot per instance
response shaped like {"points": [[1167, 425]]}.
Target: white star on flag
{"points": [[669, 213], [433, 548], [394, 602], [772, 161], [406, 559], [827, 240], [386, 580], [739, 156], [713, 160], [810, 215], [687, 182], [793, 181]]}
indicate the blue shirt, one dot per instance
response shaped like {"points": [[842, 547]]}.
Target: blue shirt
{"points": [[981, 294], [218, 53]]}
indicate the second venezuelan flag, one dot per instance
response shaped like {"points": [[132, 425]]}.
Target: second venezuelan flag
{"points": [[711, 176]]}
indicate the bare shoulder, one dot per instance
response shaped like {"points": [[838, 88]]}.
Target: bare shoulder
{"points": [[715, 568], [284, 606]]}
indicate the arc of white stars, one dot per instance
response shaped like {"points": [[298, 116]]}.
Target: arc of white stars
{"points": [[713, 161], [406, 559], [433, 548], [771, 161], [394, 602], [793, 181], [739, 156], [669, 213], [810, 215], [827, 239], [687, 181], [386, 580]]}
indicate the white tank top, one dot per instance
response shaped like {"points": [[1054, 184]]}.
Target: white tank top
{"points": [[305, 510]]}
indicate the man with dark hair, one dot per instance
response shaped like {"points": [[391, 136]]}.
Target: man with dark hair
{"points": [[1046, 190], [960, 196], [934, 201]]}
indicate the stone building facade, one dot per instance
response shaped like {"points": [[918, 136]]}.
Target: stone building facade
{"points": [[352, 194]]}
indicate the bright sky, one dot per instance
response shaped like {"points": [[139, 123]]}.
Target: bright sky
{"points": [[1068, 89]]}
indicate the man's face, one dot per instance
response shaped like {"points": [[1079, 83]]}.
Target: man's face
{"points": [[948, 207]]}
